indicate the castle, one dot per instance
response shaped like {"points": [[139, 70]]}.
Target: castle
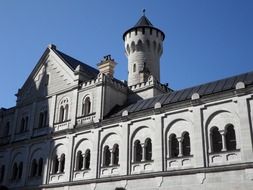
{"points": [[76, 127]]}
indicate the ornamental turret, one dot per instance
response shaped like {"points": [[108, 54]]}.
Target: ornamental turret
{"points": [[143, 47]]}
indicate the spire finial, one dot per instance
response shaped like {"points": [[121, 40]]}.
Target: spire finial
{"points": [[143, 11]]}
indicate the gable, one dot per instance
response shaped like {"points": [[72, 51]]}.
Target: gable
{"points": [[51, 75]]}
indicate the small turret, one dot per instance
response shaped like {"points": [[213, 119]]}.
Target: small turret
{"points": [[143, 47]]}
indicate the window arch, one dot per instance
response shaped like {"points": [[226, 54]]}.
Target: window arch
{"points": [[87, 159], [216, 140], [107, 156], [15, 171], [148, 149], [55, 165], [79, 161], [64, 110], [34, 168], [173, 146], [40, 167], [137, 151], [20, 170], [230, 138], [62, 163], [86, 108], [186, 147], [115, 154]]}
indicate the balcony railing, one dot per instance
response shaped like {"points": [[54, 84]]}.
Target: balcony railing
{"points": [[61, 125], [224, 157], [179, 162], [85, 119], [82, 174], [141, 167], [107, 171]]}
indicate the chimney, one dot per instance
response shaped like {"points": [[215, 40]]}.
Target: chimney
{"points": [[106, 66]]}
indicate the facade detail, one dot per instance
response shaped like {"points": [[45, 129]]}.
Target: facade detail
{"points": [[77, 127]]}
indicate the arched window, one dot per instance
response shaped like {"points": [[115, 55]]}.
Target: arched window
{"points": [[107, 156], [40, 167], [20, 170], [55, 165], [87, 159], [2, 169], [216, 140], [62, 113], [230, 138], [22, 125], [186, 147], [7, 129], [34, 168], [86, 106], [174, 146], [79, 161], [115, 154], [137, 151], [62, 163], [15, 171], [148, 149]]}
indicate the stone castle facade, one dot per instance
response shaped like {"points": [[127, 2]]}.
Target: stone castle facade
{"points": [[76, 127]]}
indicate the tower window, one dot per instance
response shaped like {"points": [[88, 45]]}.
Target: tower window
{"points": [[134, 68]]}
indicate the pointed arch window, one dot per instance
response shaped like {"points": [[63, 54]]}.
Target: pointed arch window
{"points": [[186, 147], [137, 151], [148, 149], [86, 108], [230, 138], [173, 146]]}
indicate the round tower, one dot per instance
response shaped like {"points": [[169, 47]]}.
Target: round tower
{"points": [[143, 48]]}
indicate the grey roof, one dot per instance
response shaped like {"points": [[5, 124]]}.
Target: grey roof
{"points": [[143, 21], [185, 94], [73, 63]]}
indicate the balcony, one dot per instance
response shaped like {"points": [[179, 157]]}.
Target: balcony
{"points": [[4, 140], [61, 125], [107, 171], [141, 167], [41, 131], [81, 174], [224, 157], [179, 162], [85, 119]]}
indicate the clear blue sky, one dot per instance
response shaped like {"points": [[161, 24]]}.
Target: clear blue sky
{"points": [[205, 39]]}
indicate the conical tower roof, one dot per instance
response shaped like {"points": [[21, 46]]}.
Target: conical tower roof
{"points": [[143, 22]]}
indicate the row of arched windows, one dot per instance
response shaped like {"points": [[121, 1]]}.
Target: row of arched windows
{"points": [[146, 46], [142, 151], [36, 168]]}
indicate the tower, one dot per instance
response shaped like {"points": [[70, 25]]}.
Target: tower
{"points": [[143, 47]]}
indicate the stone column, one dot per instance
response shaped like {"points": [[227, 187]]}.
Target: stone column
{"points": [[180, 153], [143, 151], [223, 136]]}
